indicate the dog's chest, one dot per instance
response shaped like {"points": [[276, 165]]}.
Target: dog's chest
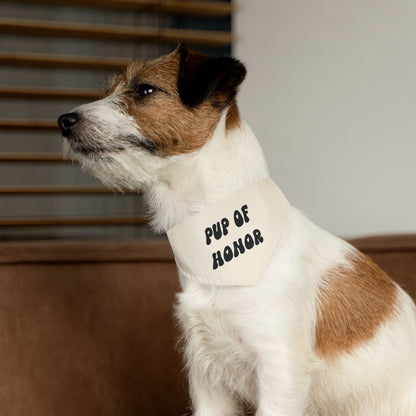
{"points": [[215, 344]]}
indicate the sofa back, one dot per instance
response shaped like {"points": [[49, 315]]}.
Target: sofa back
{"points": [[87, 328]]}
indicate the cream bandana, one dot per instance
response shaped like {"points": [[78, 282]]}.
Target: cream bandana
{"points": [[231, 242]]}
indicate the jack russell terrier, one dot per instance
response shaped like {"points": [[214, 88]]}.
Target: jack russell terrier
{"points": [[275, 312]]}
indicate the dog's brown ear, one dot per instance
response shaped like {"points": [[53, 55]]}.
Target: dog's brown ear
{"points": [[204, 77]]}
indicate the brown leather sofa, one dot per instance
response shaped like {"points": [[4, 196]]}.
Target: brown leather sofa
{"points": [[86, 328]]}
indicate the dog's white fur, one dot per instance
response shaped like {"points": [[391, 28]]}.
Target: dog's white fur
{"points": [[257, 343]]}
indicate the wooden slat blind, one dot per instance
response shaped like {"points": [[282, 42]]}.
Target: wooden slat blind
{"points": [[50, 93], [54, 221], [58, 190], [32, 157], [36, 96], [193, 7], [59, 61], [95, 31], [28, 125]]}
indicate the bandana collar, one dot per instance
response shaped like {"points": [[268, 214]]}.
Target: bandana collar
{"points": [[231, 243]]}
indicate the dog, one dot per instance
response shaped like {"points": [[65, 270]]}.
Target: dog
{"points": [[323, 330]]}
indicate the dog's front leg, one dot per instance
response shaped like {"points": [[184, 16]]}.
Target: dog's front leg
{"points": [[210, 400], [282, 384]]}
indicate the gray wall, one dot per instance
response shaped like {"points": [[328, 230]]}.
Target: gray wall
{"points": [[331, 95]]}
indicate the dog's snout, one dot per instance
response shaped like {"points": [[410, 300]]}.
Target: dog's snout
{"points": [[66, 122]]}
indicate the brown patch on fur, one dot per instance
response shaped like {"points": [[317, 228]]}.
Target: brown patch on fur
{"points": [[233, 117], [162, 117], [354, 301]]}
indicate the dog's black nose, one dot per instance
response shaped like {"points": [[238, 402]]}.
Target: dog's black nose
{"points": [[66, 122]]}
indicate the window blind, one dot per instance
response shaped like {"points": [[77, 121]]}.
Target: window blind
{"points": [[55, 55]]}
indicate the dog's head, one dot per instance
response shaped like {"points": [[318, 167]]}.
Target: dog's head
{"points": [[154, 110]]}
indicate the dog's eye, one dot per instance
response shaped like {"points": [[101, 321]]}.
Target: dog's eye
{"points": [[144, 90]]}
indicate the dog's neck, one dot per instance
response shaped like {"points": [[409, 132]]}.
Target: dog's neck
{"points": [[231, 159]]}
